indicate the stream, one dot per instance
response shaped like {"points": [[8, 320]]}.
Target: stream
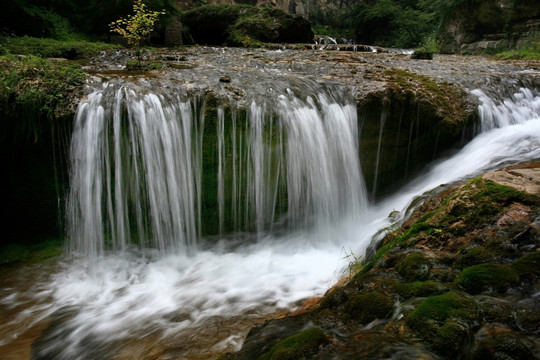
{"points": [[141, 279]]}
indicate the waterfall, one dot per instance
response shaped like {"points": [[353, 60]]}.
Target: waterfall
{"points": [[239, 211], [522, 106], [153, 168]]}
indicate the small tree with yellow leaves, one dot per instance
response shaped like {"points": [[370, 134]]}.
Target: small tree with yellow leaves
{"points": [[137, 26]]}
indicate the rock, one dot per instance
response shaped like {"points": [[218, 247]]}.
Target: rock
{"points": [[225, 79], [521, 177], [476, 26], [482, 308]]}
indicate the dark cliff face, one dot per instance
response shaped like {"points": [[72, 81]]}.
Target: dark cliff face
{"points": [[483, 24]]}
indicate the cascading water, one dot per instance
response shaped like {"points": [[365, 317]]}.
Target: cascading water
{"points": [[286, 190], [137, 164]]}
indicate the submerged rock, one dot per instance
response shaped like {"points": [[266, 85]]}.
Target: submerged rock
{"points": [[459, 280]]}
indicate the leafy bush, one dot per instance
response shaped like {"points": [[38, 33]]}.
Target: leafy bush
{"points": [[244, 25]]}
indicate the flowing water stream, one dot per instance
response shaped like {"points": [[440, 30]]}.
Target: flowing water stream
{"points": [[145, 278]]}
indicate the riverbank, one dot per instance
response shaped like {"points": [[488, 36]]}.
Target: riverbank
{"points": [[459, 279]]}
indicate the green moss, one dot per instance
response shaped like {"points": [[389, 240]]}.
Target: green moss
{"points": [[444, 322], [450, 338], [419, 289], [414, 267], [502, 346], [478, 203], [48, 248], [297, 346], [527, 266], [478, 278], [446, 101], [474, 256], [32, 90], [50, 48], [365, 308], [394, 239], [440, 308]]}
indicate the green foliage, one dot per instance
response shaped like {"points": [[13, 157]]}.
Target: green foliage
{"points": [[62, 19], [31, 90], [137, 26], [531, 51], [45, 249], [355, 264], [244, 25], [422, 54], [52, 48], [392, 23], [298, 346]]}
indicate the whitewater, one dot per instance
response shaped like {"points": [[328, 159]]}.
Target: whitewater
{"points": [[158, 302]]}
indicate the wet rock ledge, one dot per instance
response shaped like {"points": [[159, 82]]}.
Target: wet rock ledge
{"points": [[459, 280]]}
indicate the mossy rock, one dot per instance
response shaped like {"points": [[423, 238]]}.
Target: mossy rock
{"points": [[450, 338], [333, 299], [445, 321], [502, 346], [478, 278], [419, 289], [367, 307], [441, 308], [478, 203], [298, 346], [528, 266], [415, 266], [474, 256]]}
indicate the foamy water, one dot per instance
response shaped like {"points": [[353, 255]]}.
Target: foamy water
{"points": [[143, 300]]}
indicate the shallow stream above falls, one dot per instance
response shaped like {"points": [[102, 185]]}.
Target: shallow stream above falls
{"points": [[282, 236]]}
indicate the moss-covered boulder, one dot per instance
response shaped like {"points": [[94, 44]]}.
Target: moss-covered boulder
{"points": [[445, 321], [408, 124], [367, 307], [492, 277], [245, 25], [297, 346]]}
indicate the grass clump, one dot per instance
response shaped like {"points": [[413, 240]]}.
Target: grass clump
{"points": [[531, 51], [298, 346]]}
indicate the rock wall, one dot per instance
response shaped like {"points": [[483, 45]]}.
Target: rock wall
{"points": [[477, 25]]}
